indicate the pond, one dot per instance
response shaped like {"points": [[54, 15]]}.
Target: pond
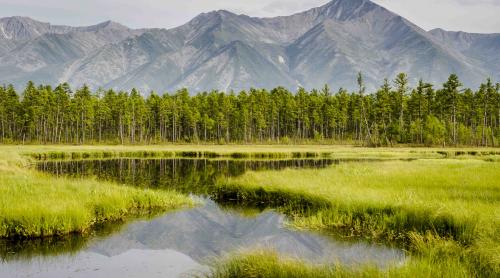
{"points": [[184, 242]]}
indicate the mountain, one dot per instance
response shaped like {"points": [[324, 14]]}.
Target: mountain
{"points": [[207, 231], [483, 49], [16, 30], [225, 51]]}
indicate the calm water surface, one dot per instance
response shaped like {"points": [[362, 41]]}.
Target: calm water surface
{"points": [[179, 243]]}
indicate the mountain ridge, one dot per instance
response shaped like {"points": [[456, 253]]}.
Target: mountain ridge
{"points": [[226, 51]]}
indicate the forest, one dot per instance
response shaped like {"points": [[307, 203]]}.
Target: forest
{"points": [[394, 114]]}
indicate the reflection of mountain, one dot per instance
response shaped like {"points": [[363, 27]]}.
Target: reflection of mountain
{"points": [[177, 243], [222, 50], [207, 231], [169, 245], [130, 264]]}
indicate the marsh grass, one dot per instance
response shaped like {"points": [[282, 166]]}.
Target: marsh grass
{"points": [[37, 205], [14, 249], [268, 264], [442, 211], [262, 263], [62, 152], [34, 204], [241, 151], [77, 155]]}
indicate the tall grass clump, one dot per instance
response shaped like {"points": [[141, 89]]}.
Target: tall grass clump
{"points": [[450, 206], [268, 264], [263, 263], [33, 204], [99, 154], [243, 151]]}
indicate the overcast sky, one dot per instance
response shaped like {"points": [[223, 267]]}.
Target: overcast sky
{"points": [[468, 15]]}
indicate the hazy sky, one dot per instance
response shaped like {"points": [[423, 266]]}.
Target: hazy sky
{"points": [[467, 15]]}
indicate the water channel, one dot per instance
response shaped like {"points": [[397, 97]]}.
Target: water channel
{"points": [[183, 242]]}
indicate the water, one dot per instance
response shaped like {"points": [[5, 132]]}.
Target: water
{"points": [[192, 176], [184, 242]]}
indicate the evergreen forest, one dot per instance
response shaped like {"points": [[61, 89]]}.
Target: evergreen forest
{"points": [[448, 115]]}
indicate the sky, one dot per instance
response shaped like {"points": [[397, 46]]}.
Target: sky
{"points": [[481, 16]]}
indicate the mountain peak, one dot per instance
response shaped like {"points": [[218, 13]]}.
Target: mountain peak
{"points": [[225, 13], [22, 28], [224, 50], [347, 9], [109, 24], [347, 2], [437, 30], [218, 14]]}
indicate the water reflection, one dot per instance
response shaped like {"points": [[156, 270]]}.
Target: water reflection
{"points": [[181, 242], [206, 231], [194, 176], [177, 243]]}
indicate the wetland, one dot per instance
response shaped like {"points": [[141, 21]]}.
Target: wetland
{"points": [[330, 213]]}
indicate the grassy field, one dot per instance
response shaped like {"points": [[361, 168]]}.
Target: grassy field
{"points": [[15, 152], [34, 204], [446, 212], [265, 263]]}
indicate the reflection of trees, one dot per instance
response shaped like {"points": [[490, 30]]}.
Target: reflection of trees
{"points": [[193, 176], [196, 176], [16, 249]]}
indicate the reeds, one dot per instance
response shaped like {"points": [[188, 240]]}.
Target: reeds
{"points": [[268, 264], [453, 202], [444, 212], [33, 204], [97, 154]]}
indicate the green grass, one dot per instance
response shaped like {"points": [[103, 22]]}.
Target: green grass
{"points": [[442, 211], [263, 263], [445, 213], [268, 264], [240, 151], [34, 204]]}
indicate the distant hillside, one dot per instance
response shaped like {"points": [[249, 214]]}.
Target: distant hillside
{"points": [[225, 51]]}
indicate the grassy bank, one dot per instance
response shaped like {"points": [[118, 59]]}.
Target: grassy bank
{"points": [[34, 204], [264, 263], [239, 151], [268, 264], [446, 213]]}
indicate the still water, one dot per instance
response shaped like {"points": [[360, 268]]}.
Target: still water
{"points": [[180, 243]]}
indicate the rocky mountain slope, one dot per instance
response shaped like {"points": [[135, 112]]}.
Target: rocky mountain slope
{"points": [[225, 51]]}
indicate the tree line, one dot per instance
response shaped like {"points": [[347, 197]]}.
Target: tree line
{"points": [[394, 114]]}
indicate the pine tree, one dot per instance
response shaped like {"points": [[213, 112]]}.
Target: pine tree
{"points": [[364, 117], [401, 83], [450, 89], [383, 110], [390, 115]]}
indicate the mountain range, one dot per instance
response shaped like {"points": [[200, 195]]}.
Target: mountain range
{"points": [[225, 51]]}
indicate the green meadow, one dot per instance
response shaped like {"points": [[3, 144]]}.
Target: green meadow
{"points": [[34, 204], [445, 213], [442, 206]]}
